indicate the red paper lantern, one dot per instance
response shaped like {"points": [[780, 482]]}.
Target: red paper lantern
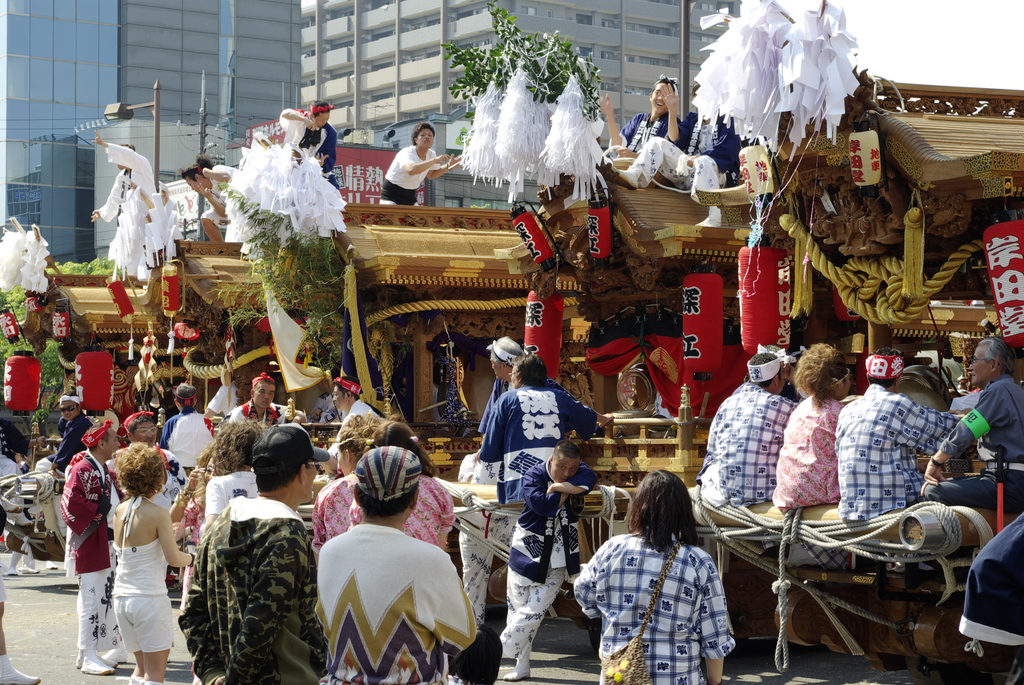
{"points": [[35, 303], [9, 325], [543, 334], [170, 296], [599, 229], [121, 300], [183, 331], [1004, 254], [843, 313], [525, 224], [22, 374], [61, 323], [263, 324], [765, 299], [94, 380], [702, 322]]}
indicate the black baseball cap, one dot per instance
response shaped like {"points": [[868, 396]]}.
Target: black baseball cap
{"points": [[281, 447]]}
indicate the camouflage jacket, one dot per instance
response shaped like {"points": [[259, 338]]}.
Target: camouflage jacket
{"points": [[250, 611]]}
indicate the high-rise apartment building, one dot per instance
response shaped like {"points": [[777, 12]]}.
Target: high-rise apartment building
{"points": [[63, 61], [381, 61]]}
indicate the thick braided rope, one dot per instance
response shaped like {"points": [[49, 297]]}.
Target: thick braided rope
{"points": [[860, 279], [215, 370], [792, 528], [465, 305]]}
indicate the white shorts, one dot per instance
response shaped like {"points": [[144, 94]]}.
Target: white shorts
{"points": [[145, 622]]}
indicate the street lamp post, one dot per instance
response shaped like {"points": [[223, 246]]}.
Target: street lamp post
{"points": [[120, 111]]}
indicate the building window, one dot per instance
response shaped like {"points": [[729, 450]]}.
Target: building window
{"points": [[530, 11], [608, 54], [585, 19], [453, 202], [585, 52]]}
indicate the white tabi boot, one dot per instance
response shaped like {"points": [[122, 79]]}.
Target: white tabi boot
{"points": [[115, 656], [92, 664], [9, 675], [521, 670]]}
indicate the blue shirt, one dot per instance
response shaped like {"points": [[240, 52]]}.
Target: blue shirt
{"points": [[523, 428], [542, 511], [11, 440], [329, 147], [71, 433]]}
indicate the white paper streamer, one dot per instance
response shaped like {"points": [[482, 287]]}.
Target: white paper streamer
{"points": [[33, 263], [12, 246], [571, 148], [480, 156], [770, 61], [522, 129]]}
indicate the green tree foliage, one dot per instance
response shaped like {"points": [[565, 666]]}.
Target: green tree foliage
{"points": [[548, 60], [53, 372]]}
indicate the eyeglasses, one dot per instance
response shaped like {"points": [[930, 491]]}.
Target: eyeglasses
{"points": [[66, 410], [975, 360]]}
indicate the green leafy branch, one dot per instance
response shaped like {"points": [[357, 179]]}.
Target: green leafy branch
{"points": [[548, 60]]}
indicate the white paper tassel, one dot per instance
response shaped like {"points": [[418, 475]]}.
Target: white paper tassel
{"points": [[817, 71], [769, 62], [33, 263], [571, 147], [522, 128], [12, 247], [131, 347], [480, 156], [170, 340]]}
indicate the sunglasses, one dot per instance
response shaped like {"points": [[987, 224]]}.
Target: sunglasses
{"points": [[66, 410]]}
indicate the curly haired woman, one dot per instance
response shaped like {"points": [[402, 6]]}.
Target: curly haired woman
{"points": [[232, 466], [808, 470], [144, 543]]}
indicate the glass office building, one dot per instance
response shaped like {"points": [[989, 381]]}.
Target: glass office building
{"points": [[58, 68]]}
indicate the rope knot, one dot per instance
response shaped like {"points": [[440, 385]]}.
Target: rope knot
{"points": [[975, 646], [781, 587]]}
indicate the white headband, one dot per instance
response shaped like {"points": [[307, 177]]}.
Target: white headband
{"points": [[71, 398], [764, 372], [501, 355]]}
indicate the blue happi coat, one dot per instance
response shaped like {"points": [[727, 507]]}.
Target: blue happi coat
{"points": [[543, 520], [522, 429]]}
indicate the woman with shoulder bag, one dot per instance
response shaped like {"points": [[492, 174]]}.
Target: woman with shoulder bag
{"points": [[658, 594]]}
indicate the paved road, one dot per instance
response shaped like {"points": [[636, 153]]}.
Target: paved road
{"points": [[40, 623]]}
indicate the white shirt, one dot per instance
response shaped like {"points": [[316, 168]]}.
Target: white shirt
{"points": [[397, 175], [190, 436], [224, 401], [359, 408], [294, 130], [222, 489]]}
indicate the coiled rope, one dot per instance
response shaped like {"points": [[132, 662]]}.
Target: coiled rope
{"points": [[751, 528], [215, 370]]}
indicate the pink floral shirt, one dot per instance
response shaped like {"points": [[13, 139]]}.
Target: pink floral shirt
{"points": [[808, 470], [331, 515], [433, 516]]}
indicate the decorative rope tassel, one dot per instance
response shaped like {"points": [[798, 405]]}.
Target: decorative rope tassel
{"points": [[913, 253], [803, 281]]}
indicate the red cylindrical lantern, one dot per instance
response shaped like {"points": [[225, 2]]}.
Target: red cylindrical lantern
{"points": [[22, 374], [94, 380], [843, 313], [543, 334], [170, 300], [525, 224], [599, 229], [702, 322], [61, 322], [121, 300], [1005, 258], [9, 325], [765, 299], [35, 303]]}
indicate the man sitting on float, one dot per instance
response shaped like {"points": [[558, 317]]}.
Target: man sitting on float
{"points": [[746, 436], [877, 440], [997, 423], [697, 155], [261, 407]]}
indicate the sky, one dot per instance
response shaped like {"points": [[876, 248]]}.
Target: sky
{"points": [[937, 42]]}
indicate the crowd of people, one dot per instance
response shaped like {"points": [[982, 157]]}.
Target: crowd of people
{"points": [[265, 602]]}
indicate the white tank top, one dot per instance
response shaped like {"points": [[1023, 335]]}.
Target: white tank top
{"points": [[141, 570]]}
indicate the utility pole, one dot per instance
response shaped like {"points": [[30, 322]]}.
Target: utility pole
{"points": [[202, 150]]}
